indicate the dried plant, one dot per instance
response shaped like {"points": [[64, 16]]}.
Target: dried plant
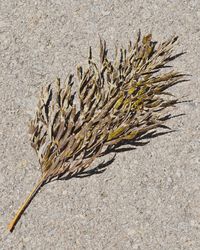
{"points": [[118, 101]]}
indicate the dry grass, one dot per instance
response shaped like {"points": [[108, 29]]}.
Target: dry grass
{"points": [[119, 100]]}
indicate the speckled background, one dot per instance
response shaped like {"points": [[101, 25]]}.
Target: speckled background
{"points": [[148, 198]]}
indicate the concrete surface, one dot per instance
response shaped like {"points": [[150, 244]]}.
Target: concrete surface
{"points": [[148, 198]]}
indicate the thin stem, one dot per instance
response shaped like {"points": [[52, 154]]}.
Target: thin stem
{"points": [[20, 211]]}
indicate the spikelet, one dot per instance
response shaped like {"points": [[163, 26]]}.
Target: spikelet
{"points": [[119, 101]]}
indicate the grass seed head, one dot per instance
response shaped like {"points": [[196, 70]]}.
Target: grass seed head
{"points": [[119, 100]]}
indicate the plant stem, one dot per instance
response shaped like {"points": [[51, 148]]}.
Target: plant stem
{"points": [[20, 211]]}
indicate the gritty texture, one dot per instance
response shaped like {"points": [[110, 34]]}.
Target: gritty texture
{"points": [[149, 197]]}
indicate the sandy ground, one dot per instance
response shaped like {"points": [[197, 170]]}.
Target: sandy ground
{"points": [[148, 198]]}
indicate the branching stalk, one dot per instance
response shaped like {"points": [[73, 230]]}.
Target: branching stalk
{"points": [[119, 100]]}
